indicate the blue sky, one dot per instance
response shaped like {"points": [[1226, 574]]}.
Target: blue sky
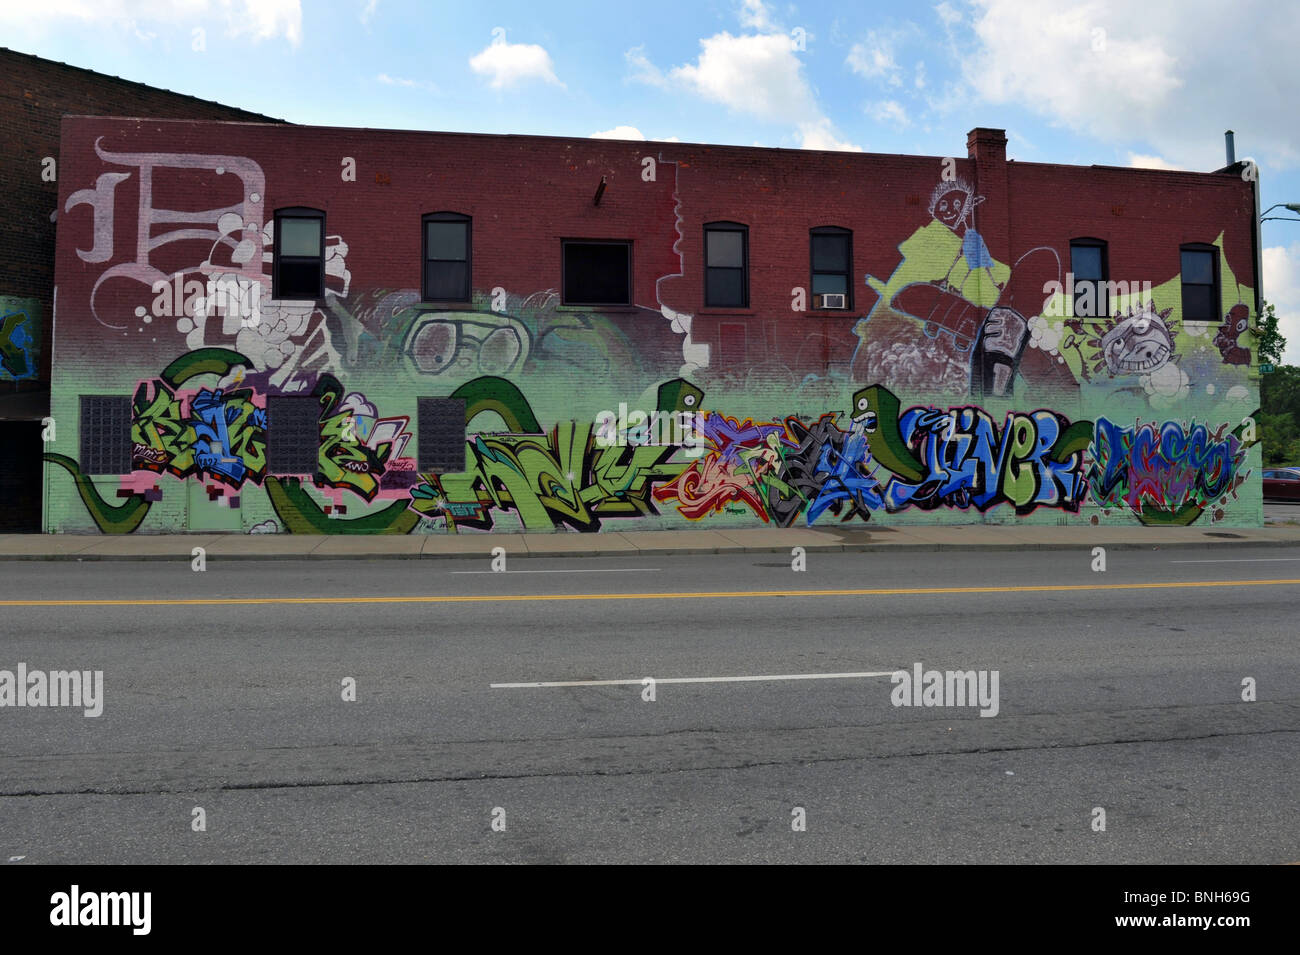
{"points": [[1115, 82]]}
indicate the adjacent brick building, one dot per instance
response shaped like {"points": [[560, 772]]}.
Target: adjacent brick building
{"points": [[298, 329], [35, 94]]}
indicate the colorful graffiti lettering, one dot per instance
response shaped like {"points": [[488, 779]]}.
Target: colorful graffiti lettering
{"points": [[834, 467], [560, 478], [925, 458], [740, 460], [1034, 460], [1166, 474], [221, 434]]}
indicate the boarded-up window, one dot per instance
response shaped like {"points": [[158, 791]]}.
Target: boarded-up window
{"points": [[292, 435], [441, 423], [105, 432], [597, 273]]}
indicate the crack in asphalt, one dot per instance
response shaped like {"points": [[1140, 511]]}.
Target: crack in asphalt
{"points": [[597, 773]]}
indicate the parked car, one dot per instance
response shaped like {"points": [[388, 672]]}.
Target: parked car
{"points": [[1282, 484]]}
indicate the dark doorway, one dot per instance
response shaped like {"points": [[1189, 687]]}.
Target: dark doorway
{"points": [[20, 477]]}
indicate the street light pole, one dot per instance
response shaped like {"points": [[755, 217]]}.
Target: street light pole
{"points": [[1293, 206]]}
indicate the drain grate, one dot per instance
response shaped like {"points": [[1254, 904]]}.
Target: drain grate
{"points": [[1224, 534]]}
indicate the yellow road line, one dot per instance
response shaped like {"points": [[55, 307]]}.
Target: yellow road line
{"points": [[686, 595]]}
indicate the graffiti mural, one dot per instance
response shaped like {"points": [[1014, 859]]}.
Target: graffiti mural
{"points": [[965, 389], [562, 478], [1228, 340], [925, 458], [1165, 474], [20, 329], [219, 434], [741, 460]]}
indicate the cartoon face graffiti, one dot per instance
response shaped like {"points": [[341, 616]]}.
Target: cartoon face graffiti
{"points": [[953, 202], [864, 415], [1235, 324], [1139, 344], [875, 413]]}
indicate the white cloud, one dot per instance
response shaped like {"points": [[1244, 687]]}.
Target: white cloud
{"points": [[874, 59], [259, 19], [643, 71], [402, 81], [755, 16], [1141, 161], [630, 132], [369, 11], [269, 18], [949, 16], [508, 64], [889, 111], [1281, 288], [821, 135], [620, 132], [756, 74], [759, 75], [1157, 72], [1049, 57], [919, 81]]}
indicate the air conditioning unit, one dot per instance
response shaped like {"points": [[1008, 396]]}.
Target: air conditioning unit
{"points": [[838, 300]]}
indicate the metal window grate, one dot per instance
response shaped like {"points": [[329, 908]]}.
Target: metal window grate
{"points": [[441, 424], [292, 435], [105, 434]]}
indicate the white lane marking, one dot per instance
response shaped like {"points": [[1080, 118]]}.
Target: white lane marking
{"points": [[1236, 560], [592, 570], [698, 679]]}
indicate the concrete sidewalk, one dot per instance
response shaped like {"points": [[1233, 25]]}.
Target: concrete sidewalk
{"points": [[655, 543]]}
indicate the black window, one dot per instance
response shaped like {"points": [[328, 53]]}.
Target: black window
{"points": [[832, 261], [447, 257], [726, 265], [441, 432], [292, 435], [1200, 273], [1091, 268], [299, 270], [105, 434], [597, 273]]}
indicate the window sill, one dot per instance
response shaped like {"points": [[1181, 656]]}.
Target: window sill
{"points": [[721, 310], [285, 302], [603, 309]]}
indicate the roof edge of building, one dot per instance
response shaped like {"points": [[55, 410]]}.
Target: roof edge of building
{"points": [[253, 116]]}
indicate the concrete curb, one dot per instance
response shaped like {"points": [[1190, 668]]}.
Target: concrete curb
{"points": [[660, 551]]}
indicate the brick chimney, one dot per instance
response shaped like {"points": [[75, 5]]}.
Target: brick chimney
{"points": [[988, 150], [987, 145]]}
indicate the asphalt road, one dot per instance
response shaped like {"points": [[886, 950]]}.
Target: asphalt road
{"points": [[1119, 690], [1282, 513]]}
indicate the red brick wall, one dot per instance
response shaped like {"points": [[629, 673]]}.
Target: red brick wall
{"points": [[527, 193]]}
